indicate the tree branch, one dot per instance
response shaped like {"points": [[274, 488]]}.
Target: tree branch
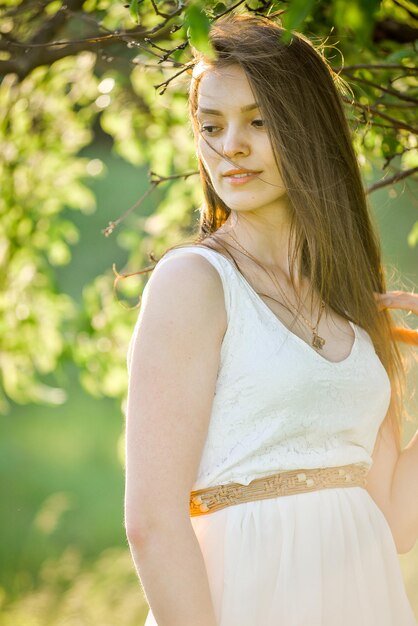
{"points": [[166, 82], [395, 123], [155, 180], [392, 180], [392, 92], [44, 51], [229, 9], [376, 66], [52, 26], [394, 31], [407, 9]]}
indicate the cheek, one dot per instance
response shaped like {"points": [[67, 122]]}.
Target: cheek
{"points": [[269, 157], [265, 147], [202, 149], [206, 153], [270, 162]]}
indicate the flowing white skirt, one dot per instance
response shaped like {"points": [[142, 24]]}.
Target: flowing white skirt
{"points": [[321, 558]]}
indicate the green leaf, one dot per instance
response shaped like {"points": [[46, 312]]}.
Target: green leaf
{"points": [[413, 236], [219, 7], [59, 253], [394, 57], [357, 16], [134, 11], [296, 13], [198, 26], [409, 159]]}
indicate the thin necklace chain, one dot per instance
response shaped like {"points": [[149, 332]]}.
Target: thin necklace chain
{"points": [[317, 341]]}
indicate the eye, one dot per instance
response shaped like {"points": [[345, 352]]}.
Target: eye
{"points": [[262, 123], [205, 129]]}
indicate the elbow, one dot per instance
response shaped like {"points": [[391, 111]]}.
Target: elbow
{"points": [[140, 529], [404, 536], [403, 547], [135, 534], [404, 543], [143, 520], [136, 530], [137, 520]]}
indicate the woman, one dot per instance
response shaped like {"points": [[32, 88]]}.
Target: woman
{"points": [[264, 401]]}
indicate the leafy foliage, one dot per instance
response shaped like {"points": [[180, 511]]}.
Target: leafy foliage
{"points": [[48, 120], [121, 70]]}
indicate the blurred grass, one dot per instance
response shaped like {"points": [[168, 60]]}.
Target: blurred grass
{"points": [[65, 485], [64, 554], [73, 593]]}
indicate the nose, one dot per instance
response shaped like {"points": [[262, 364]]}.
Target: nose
{"points": [[235, 143]]}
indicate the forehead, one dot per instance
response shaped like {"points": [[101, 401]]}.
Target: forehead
{"points": [[224, 88]]}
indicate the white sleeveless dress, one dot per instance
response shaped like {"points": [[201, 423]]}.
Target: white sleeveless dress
{"points": [[321, 558]]}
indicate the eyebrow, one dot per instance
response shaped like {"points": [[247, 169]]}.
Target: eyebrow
{"points": [[248, 107]]}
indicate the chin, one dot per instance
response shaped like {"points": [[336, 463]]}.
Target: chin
{"points": [[242, 202]]}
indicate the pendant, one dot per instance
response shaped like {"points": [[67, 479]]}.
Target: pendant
{"points": [[317, 341]]}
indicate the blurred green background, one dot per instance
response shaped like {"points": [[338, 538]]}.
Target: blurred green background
{"points": [[83, 128]]}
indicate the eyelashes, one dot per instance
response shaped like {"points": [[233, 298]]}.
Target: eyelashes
{"points": [[205, 129]]}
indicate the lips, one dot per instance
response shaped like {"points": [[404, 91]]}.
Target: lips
{"points": [[232, 172], [243, 180]]}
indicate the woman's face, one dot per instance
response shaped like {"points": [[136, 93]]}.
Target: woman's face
{"points": [[229, 120]]}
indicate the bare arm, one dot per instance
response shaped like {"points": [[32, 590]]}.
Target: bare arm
{"points": [[405, 492], [174, 365], [172, 571], [392, 483], [393, 477]]}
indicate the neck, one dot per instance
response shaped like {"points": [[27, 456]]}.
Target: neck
{"points": [[268, 243]]}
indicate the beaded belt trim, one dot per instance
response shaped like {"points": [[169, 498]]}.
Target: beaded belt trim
{"points": [[203, 501]]}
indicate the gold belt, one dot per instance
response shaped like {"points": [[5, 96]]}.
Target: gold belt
{"points": [[203, 501]]}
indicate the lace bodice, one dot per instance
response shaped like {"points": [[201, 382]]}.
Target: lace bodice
{"points": [[278, 403]]}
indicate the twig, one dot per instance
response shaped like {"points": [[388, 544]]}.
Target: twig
{"points": [[392, 92], [373, 123], [375, 66], [112, 225], [68, 42], [234, 6], [187, 65], [176, 12], [155, 180], [396, 123], [391, 181], [389, 157], [166, 15], [168, 53], [398, 105], [409, 11]]}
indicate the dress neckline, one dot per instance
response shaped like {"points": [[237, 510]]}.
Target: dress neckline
{"points": [[281, 324]]}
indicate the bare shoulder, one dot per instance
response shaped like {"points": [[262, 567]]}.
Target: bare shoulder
{"points": [[187, 287]]}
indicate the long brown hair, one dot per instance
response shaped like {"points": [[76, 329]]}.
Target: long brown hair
{"points": [[332, 232]]}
